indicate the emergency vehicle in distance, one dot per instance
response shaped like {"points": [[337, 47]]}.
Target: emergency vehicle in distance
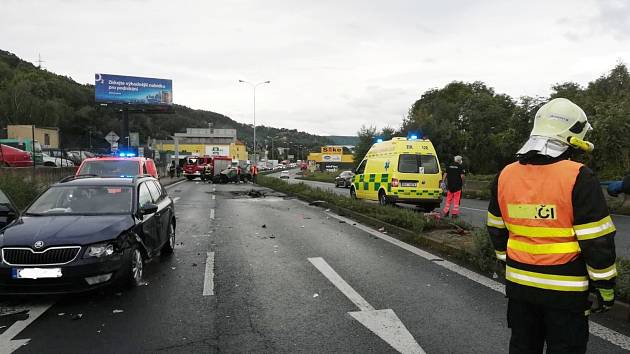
{"points": [[404, 170]]}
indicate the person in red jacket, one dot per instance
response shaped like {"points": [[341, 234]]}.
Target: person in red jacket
{"points": [[549, 222]]}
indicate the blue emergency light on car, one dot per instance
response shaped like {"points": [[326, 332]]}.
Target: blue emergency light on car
{"points": [[127, 154]]}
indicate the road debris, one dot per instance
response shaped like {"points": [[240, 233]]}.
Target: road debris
{"points": [[272, 236], [194, 264], [302, 226], [118, 311], [342, 222], [315, 295], [255, 193], [264, 226], [78, 316], [61, 314]]}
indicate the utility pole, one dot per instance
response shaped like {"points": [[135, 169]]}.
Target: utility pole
{"points": [[39, 61], [254, 88]]}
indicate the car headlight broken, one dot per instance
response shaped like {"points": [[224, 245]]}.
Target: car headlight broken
{"points": [[99, 250]]}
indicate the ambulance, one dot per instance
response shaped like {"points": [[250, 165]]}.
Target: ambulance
{"points": [[401, 170]]}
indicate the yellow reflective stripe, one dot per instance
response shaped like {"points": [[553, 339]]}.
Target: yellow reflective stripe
{"points": [[534, 231], [495, 221], [546, 248], [501, 255], [547, 281], [594, 229], [602, 274]]}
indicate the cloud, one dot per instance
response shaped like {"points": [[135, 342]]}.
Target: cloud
{"points": [[333, 65]]}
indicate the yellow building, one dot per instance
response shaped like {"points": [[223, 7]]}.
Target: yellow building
{"points": [[48, 138], [238, 151]]}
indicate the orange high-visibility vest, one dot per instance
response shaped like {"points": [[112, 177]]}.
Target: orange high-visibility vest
{"points": [[537, 207]]}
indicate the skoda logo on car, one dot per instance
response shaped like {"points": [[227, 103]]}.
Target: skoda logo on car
{"points": [[38, 244]]}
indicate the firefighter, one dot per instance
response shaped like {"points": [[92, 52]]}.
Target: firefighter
{"points": [[254, 172], [454, 181], [548, 220]]}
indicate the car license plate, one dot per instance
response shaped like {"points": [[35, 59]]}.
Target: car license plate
{"points": [[35, 273], [408, 184]]}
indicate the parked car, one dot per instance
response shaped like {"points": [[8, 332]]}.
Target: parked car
{"points": [[50, 161], [80, 155], [87, 232], [285, 174], [14, 157], [8, 211], [118, 167], [344, 179]]}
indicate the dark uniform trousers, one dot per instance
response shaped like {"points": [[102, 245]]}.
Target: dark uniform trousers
{"points": [[566, 331]]}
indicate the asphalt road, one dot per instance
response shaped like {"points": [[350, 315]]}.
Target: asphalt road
{"points": [[474, 211], [274, 275]]}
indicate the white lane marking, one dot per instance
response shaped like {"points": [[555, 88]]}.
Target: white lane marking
{"points": [[176, 199], [174, 184], [214, 197], [484, 211], [9, 346], [212, 214], [214, 189], [595, 329], [341, 284], [208, 280], [384, 323]]}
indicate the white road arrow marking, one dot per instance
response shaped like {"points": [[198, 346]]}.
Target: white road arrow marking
{"points": [[208, 282], [7, 345], [383, 323], [595, 329]]}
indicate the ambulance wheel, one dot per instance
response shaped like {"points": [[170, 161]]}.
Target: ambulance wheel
{"points": [[353, 193], [382, 198]]}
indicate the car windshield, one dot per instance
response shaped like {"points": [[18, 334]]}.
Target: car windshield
{"points": [[415, 163], [110, 168], [83, 200]]}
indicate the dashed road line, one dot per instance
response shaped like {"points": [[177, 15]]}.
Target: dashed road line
{"points": [[208, 281], [212, 214]]}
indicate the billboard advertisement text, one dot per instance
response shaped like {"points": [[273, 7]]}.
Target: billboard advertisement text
{"points": [[133, 90]]}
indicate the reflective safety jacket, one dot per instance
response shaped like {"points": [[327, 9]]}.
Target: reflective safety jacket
{"points": [[549, 221]]}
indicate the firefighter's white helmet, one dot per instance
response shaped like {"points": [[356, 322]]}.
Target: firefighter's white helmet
{"points": [[558, 124]]}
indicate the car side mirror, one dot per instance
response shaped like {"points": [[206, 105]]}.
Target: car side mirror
{"points": [[148, 208]]}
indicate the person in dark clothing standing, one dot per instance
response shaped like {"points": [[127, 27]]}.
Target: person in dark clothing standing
{"points": [[454, 181], [549, 222]]}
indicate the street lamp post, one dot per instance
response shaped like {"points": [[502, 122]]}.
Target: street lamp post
{"points": [[254, 88]]}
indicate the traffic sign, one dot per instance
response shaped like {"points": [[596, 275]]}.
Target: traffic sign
{"points": [[112, 137]]}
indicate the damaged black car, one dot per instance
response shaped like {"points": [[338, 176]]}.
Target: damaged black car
{"points": [[87, 232]]}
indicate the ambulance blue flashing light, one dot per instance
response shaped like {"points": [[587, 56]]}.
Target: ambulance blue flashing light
{"points": [[379, 140], [413, 137], [127, 154]]}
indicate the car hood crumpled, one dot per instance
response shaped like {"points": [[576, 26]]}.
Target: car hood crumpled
{"points": [[65, 230]]}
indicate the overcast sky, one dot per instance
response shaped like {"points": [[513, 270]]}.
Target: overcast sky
{"points": [[334, 65]]}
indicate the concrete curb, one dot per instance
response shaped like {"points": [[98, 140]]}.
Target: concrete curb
{"points": [[172, 181]]}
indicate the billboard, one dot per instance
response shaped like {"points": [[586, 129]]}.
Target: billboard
{"points": [[133, 90], [218, 150], [331, 158]]}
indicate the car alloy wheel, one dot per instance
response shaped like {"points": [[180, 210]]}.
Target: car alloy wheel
{"points": [[137, 266]]}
